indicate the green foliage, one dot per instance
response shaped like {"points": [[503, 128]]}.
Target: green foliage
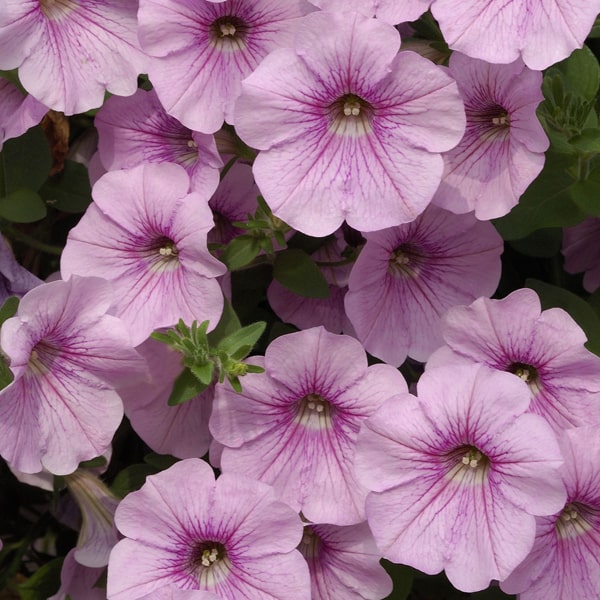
{"points": [[131, 478], [44, 583], [69, 190], [297, 271], [402, 577], [207, 360]]}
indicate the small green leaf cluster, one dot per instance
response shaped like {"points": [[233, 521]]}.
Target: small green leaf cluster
{"points": [[207, 359]]}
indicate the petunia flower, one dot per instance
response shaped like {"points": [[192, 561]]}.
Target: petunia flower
{"points": [[581, 249], [66, 355], [458, 475], [348, 128], [344, 563], [147, 235], [545, 349], [200, 50], [231, 537], [542, 32], [391, 11], [14, 279], [564, 562], [180, 430], [136, 130], [78, 582], [502, 150], [295, 426], [407, 277], [70, 52], [18, 112]]}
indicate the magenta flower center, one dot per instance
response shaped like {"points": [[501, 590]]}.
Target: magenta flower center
{"points": [[310, 545], [161, 255], [405, 261], [314, 412], [574, 520], [42, 358], [56, 9], [527, 373], [467, 465], [209, 563], [351, 115], [229, 33], [188, 155]]}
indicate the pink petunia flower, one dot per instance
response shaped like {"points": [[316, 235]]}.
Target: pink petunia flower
{"points": [[200, 50], [347, 127], [66, 354], [545, 349], [79, 582], [295, 426], [17, 112], [14, 279], [69, 52], [581, 249], [502, 150], [147, 235], [231, 537], [542, 32], [458, 474], [564, 562], [406, 277], [344, 563], [391, 11], [136, 130], [178, 430]]}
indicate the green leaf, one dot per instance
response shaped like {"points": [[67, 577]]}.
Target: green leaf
{"points": [[246, 336], [99, 461], [186, 386], [22, 206], [9, 309], [552, 296], [240, 252], [580, 73], [130, 479], [586, 193], [228, 324], [160, 461], [547, 202], [543, 243], [26, 161], [587, 141], [204, 372], [296, 270], [402, 577], [45, 582], [70, 190]]}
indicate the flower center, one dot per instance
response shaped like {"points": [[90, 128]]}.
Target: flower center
{"points": [[572, 521], [405, 261], [310, 545], [468, 465], [351, 115], [209, 563], [527, 373], [42, 358], [314, 412], [491, 122], [229, 33], [56, 9], [162, 255]]}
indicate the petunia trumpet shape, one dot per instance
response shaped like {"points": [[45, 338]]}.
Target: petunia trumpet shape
{"points": [[66, 355], [502, 150], [200, 50], [545, 349], [407, 277], [348, 128], [231, 537], [70, 52], [459, 474], [564, 562], [147, 235], [295, 426]]}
